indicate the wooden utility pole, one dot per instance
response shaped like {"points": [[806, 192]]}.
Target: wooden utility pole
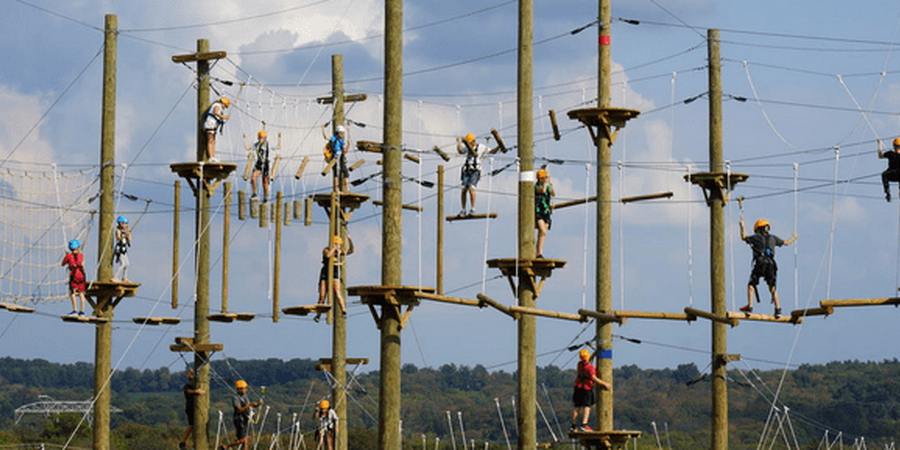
{"points": [[439, 265], [226, 243], [176, 241], [717, 252], [391, 253], [527, 369], [203, 177], [603, 289], [103, 309]]}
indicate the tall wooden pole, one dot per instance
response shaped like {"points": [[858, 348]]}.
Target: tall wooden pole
{"points": [[336, 228], [603, 274], [201, 305], [176, 242], [276, 271], [527, 369], [103, 335], [391, 253], [717, 251], [226, 238], [439, 265]]}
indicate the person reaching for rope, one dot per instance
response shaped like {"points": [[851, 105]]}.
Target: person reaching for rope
{"points": [[242, 405], [120, 250], [893, 171], [583, 395], [337, 148], [543, 190], [262, 166], [333, 252], [326, 425], [213, 121], [470, 173], [75, 262], [763, 245]]}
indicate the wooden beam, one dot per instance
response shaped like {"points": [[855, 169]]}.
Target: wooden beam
{"points": [[655, 315], [347, 98], [446, 299], [205, 56], [579, 201], [638, 198], [156, 320], [498, 306], [547, 313], [11, 307], [408, 207], [351, 361], [763, 317], [860, 302], [601, 316], [711, 316], [813, 312]]}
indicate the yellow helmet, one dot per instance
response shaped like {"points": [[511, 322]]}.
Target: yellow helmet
{"points": [[542, 174], [240, 384], [760, 223], [896, 142], [324, 404], [261, 134], [337, 240], [470, 137], [585, 354], [225, 101]]}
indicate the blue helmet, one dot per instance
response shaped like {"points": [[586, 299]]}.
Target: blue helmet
{"points": [[73, 244], [122, 219]]}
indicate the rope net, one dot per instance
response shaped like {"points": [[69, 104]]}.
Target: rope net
{"points": [[41, 212]]}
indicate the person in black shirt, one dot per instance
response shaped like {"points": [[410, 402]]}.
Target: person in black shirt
{"points": [[893, 171], [189, 396], [763, 245]]}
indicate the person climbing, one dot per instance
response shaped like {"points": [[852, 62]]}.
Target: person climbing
{"points": [[242, 405], [893, 171], [120, 251], [75, 262], [326, 425], [213, 121], [583, 395], [337, 148], [190, 393], [543, 190], [262, 165], [334, 253], [763, 245], [470, 173]]}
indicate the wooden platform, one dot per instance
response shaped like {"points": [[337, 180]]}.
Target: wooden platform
{"points": [[392, 299], [716, 184], [84, 319], [211, 173], [471, 217], [156, 320], [527, 269], [98, 289], [603, 120], [231, 317], [346, 200], [604, 440], [305, 310], [12, 307], [186, 345]]}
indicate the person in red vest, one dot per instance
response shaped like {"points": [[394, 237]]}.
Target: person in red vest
{"points": [[583, 396], [75, 262]]}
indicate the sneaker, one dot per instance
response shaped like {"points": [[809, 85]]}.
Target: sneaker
{"points": [[316, 319], [344, 313], [212, 160], [81, 314], [585, 427], [887, 196], [472, 211], [73, 313], [777, 312], [253, 196], [539, 257], [747, 309], [573, 427], [462, 213]]}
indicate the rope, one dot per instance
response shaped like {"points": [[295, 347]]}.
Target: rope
{"points": [[762, 110], [487, 228]]}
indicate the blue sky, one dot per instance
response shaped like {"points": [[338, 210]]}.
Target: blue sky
{"points": [[811, 65]]}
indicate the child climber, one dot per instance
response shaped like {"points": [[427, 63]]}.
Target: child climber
{"points": [[75, 262], [763, 245], [120, 252], [334, 253]]}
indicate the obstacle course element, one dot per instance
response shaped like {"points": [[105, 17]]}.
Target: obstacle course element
{"points": [[471, 216], [187, 345], [16, 308], [391, 299], [305, 310], [604, 440], [528, 270], [208, 173], [156, 320], [607, 121]]}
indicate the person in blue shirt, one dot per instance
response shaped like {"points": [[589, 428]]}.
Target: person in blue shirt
{"points": [[337, 147]]}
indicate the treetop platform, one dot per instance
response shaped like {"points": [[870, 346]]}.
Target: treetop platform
{"points": [[101, 293], [604, 119], [12, 307], [392, 299], [471, 217], [84, 319], [186, 345], [345, 199], [231, 317], [305, 310], [156, 320], [209, 173], [604, 440], [720, 184], [526, 269]]}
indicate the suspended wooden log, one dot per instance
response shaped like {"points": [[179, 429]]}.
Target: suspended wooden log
{"points": [[263, 215], [499, 140], [441, 153], [274, 170], [408, 207], [242, 205], [329, 166], [11, 307], [498, 306], [307, 212], [357, 165], [711, 316], [602, 317], [569, 203], [412, 158], [287, 213], [547, 313], [763, 317], [302, 167], [156, 320], [554, 125], [638, 198], [298, 209], [254, 208], [654, 315], [368, 146], [249, 166], [824, 311]]}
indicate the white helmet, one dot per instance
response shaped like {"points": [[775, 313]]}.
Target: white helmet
{"points": [[340, 129]]}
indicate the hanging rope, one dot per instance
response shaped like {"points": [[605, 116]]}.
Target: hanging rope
{"points": [[487, 227]]}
